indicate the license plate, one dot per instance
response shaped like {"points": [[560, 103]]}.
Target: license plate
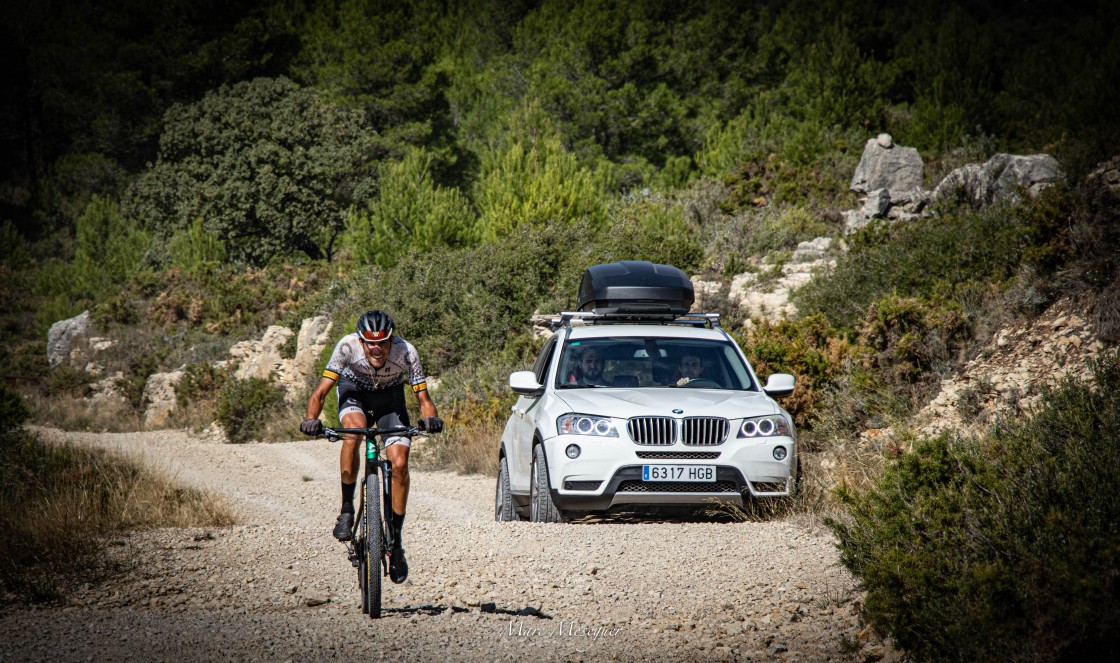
{"points": [[695, 473]]}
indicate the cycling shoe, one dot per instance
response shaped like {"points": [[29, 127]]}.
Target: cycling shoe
{"points": [[398, 566], [344, 527]]}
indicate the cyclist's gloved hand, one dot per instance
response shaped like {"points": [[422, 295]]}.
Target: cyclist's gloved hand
{"points": [[311, 427], [431, 424]]}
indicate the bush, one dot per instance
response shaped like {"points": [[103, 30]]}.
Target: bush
{"points": [[913, 339], [268, 166], [1003, 547], [245, 408], [13, 414], [535, 183], [201, 382], [935, 255], [108, 251], [808, 348], [410, 212]]}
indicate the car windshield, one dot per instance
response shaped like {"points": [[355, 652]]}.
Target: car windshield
{"points": [[628, 362]]}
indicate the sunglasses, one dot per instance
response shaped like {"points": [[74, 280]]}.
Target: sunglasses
{"points": [[374, 338]]}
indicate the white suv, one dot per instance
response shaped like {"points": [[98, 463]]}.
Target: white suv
{"points": [[634, 401]]}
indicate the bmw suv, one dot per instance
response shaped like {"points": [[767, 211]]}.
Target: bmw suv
{"points": [[635, 400]]}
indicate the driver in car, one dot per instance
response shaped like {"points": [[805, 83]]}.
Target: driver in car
{"points": [[689, 368], [589, 371]]}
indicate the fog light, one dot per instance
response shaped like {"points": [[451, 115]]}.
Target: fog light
{"points": [[573, 451], [779, 453]]}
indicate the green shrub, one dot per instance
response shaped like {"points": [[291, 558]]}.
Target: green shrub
{"points": [[108, 251], [13, 414], [809, 349], [935, 255], [65, 379], [131, 385], [195, 249], [769, 230], [269, 166], [200, 382], [533, 180], [913, 338], [411, 212], [1003, 547], [245, 407], [11, 242]]}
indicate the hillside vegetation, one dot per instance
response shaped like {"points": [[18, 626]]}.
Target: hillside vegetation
{"points": [[195, 171]]}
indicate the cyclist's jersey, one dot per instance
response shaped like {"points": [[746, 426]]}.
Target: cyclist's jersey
{"points": [[349, 363]]}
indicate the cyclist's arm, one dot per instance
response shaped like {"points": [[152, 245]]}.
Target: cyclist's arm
{"points": [[318, 397], [427, 406]]}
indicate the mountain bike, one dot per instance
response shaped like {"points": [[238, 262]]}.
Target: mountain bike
{"points": [[368, 549]]}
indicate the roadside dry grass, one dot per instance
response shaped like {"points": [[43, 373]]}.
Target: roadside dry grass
{"points": [[75, 412], [61, 506], [466, 448]]}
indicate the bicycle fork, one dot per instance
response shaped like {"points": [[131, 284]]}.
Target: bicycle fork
{"points": [[387, 518]]}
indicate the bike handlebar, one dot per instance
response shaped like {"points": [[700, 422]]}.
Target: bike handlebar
{"points": [[336, 434]]}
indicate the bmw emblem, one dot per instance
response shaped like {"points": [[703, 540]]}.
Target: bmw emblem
{"points": [[678, 411]]}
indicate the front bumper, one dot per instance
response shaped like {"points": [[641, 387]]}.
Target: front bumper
{"points": [[609, 474]]}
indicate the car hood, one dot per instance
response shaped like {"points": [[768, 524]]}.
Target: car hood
{"points": [[626, 403]]}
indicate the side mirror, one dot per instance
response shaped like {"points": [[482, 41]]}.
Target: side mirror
{"points": [[525, 383], [779, 385]]}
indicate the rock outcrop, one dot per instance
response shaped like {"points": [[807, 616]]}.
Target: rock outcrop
{"points": [[766, 293], [64, 335], [1005, 380], [1000, 179], [159, 396], [885, 165], [250, 359]]}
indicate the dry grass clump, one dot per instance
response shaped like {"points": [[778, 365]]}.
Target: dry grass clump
{"points": [[466, 448], [74, 412], [61, 505]]}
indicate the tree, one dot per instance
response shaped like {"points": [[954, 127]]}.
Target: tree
{"points": [[532, 180], [412, 212], [269, 166]]}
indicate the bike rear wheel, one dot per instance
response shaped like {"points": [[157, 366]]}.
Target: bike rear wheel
{"points": [[373, 549]]}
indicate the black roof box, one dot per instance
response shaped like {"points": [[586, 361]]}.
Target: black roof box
{"points": [[636, 288]]}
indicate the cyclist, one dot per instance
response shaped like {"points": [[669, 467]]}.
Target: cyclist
{"points": [[370, 368]]}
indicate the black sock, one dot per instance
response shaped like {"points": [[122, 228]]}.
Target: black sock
{"points": [[397, 522], [348, 497]]}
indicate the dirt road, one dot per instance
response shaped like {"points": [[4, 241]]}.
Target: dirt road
{"points": [[277, 587]]}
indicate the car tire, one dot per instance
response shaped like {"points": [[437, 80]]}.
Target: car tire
{"points": [[541, 507], [504, 511]]}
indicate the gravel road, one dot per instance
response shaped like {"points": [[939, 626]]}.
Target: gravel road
{"points": [[277, 587]]}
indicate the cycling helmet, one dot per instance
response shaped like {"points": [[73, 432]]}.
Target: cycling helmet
{"points": [[375, 325]]}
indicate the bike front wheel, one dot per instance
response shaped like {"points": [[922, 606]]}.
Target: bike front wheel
{"points": [[374, 549]]}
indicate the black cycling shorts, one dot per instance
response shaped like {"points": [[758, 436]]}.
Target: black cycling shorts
{"points": [[384, 408]]}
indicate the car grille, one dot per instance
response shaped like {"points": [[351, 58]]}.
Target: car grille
{"points": [[704, 430], [676, 487], [581, 485], [652, 430], [679, 455]]}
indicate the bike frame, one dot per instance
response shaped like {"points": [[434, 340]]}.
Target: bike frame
{"points": [[375, 459]]}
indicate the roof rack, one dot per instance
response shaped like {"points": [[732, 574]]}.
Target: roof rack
{"points": [[568, 318]]}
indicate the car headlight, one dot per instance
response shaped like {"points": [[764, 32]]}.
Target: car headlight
{"points": [[582, 424], [768, 426]]}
